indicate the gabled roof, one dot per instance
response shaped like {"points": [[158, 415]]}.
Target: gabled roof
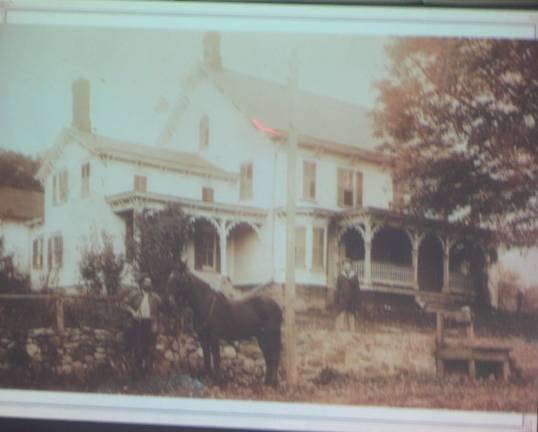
{"points": [[125, 151], [20, 204], [319, 116], [323, 121]]}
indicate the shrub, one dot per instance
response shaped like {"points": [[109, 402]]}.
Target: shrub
{"points": [[101, 268]]}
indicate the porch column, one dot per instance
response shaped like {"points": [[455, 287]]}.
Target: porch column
{"points": [[368, 253], [447, 243], [415, 245], [222, 246]]}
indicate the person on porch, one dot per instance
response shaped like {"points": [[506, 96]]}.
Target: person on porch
{"points": [[142, 304], [347, 298]]}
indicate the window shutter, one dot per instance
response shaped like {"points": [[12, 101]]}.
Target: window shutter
{"points": [[358, 188], [300, 246], [397, 195], [55, 189], [340, 187], [49, 254]]}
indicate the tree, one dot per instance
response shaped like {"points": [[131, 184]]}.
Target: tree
{"points": [[460, 119], [163, 236], [18, 170]]}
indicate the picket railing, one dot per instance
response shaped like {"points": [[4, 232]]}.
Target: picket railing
{"points": [[392, 274], [385, 273]]}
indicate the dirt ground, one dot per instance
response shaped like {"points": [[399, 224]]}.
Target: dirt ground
{"points": [[388, 364]]}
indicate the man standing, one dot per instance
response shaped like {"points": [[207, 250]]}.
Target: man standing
{"points": [[347, 297], [142, 304]]}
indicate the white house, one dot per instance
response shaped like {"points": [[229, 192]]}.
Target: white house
{"points": [[222, 155]]}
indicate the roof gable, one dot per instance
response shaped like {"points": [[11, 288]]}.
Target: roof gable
{"points": [[109, 148], [320, 119]]}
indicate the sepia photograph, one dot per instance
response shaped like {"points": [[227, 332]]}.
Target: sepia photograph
{"points": [[281, 217]]}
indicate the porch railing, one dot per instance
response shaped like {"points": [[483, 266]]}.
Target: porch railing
{"points": [[392, 274], [403, 276], [385, 273]]}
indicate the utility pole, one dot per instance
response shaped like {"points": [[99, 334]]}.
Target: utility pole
{"points": [[289, 293]]}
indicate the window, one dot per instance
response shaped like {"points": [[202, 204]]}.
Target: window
{"points": [[60, 187], [397, 196], [358, 188], [55, 246], [140, 183], [207, 194], [350, 186], [204, 133], [206, 253], [37, 254], [309, 180], [246, 181], [300, 247], [85, 180], [318, 247]]}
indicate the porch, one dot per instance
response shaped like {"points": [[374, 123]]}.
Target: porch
{"points": [[228, 239], [396, 253]]}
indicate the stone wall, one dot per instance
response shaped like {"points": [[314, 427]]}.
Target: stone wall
{"points": [[77, 351]]}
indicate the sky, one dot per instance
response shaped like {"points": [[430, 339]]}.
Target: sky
{"points": [[135, 76]]}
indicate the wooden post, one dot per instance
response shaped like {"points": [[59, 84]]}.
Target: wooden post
{"points": [[446, 265], [223, 250], [506, 370], [289, 293], [59, 305], [368, 253], [440, 328], [472, 368]]}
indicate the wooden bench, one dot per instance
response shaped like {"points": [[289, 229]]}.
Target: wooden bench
{"points": [[466, 348]]}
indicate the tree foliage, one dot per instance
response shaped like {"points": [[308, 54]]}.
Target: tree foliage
{"points": [[163, 236], [460, 119], [18, 170]]}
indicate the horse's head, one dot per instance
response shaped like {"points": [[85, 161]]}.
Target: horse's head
{"points": [[176, 286]]}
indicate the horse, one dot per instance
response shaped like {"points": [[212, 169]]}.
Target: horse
{"points": [[217, 318]]}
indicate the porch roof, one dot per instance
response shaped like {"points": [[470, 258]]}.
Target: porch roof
{"points": [[411, 221], [132, 199]]}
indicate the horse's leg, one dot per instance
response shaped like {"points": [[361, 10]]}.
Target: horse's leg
{"points": [[215, 349], [263, 342], [275, 355], [207, 355]]}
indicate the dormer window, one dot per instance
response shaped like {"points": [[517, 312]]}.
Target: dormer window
{"points": [[204, 133], [140, 183], [85, 180], [208, 195]]}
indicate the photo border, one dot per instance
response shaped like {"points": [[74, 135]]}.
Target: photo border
{"points": [[257, 17]]}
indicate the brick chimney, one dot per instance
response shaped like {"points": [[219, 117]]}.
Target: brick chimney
{"points": [[81, 105], [212, 58]]}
